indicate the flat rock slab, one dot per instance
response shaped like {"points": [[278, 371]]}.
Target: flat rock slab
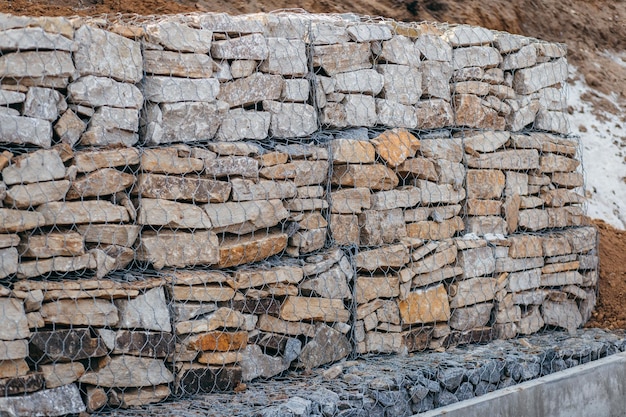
{"points": [[178, 249], [128, 371], [247, 249], [51, 402]]}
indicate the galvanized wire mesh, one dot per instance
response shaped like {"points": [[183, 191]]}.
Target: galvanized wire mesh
{"points": [[193, 202]]}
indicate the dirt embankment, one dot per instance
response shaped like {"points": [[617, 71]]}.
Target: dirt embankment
{"points": [[589, 27]]}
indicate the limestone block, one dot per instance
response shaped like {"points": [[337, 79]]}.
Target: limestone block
{"points": [[290, 119], [477, 88], [183, 122], [523, 58], [546, 51], [522, 160], [436, 79], [177, 64], [239, 124], [178, 37], [128, 371], [25, 130], [425, 306], [327, 33], [434, 114], [13, 221], [250, 90], [178, 249], [352, 151], [401, 83], [43, 103], [295, 89], [435, 230], [38, 66], [11, 97], [471, 317], [345, 229], [529, 80], [301, 172], [95, 91], [434, 48], [106, 54], [365, 81], [201, 190], [52, 244], [485, 184], [399, 50], [98, 183], [472, 291], [477, 262], [319, 309], [68, 128], [285, 57], [247, 190], [374, 177], [91, 160], [370, 288], [253, 46], [391, 113], [418, 167], [159, 212], [245, 217], [34, 38], [148, 311], [393, 256], [384, 226], [470, 112], [354, 110], [163, 89], [466, 35], [247, 249], [364, 32], [82, 212], [476, 56], [81, 312], [552, 121], [562, 314], [343, 57], [55, 401]]}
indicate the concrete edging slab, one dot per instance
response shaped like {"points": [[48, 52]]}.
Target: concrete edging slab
{"points": [[595, 389]]}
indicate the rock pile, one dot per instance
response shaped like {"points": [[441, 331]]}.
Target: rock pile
{"points": [[196, 201]]}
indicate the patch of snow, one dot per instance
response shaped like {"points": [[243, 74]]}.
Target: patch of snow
{"points": [[603, 143]]}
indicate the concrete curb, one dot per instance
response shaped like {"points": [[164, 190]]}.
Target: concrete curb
{"points": [[595, 389]]}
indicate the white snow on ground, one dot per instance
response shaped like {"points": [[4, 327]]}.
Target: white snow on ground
{"points": [[603, 142]]}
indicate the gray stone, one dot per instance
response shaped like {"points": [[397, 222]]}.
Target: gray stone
{"points": [[399, 50], [254, 363], [163, 89], [562, 314], [328, 284], [477, 262], [232, 165], [39, 166], [107, 54], [394, 114], [99, 91], [295, 89], [552, 121], [127, 371], [402, 83], [159, 212], [245, 47], [327, 346], [533, 79], [364, 32], [470, 317], [434, 114], [25, 39], [285, 57], [183, 122], [178, 249], [245, 217], [11, 97], [524, 280], [342, 57], [525, 57], [178, 37], [476, 56], [239, 124], [69, 128], [147, 311], [25, 131], [434, 48], [436, 79], [290, 120], [366, 81], [59, 401], [43, 103], [177, 64], [37, 65], [466, 35], [252, 89]]}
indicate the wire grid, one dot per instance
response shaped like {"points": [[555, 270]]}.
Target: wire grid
{"points": [[196, 201]]}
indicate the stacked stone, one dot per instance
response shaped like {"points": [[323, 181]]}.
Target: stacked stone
{"points": [[109, 338], [258, 320], [545, 280]]}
